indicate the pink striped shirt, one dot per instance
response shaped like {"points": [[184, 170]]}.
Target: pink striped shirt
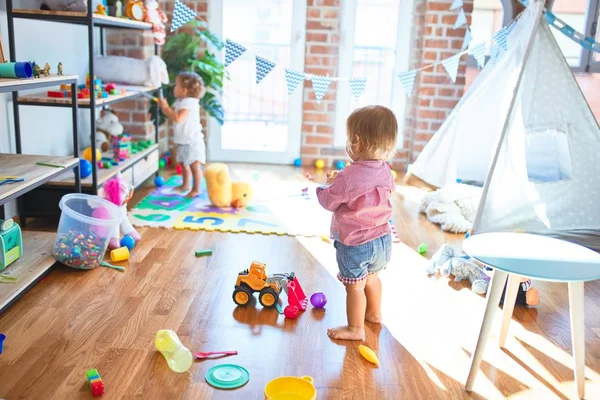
{"points": [[359, 198]]}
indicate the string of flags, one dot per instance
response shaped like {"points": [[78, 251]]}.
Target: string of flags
{"points": [[320, 83]]}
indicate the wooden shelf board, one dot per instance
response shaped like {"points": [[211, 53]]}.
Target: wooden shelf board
{"points": [[80, 17], [36, 259], [24, 166], [43, 99], [104, 174], [22, 84]]}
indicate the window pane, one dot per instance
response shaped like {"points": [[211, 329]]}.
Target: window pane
{"points": [[256, 116], [375, 50]]}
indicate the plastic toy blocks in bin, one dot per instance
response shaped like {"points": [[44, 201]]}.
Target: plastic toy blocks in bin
{"points": [[85, 227]]}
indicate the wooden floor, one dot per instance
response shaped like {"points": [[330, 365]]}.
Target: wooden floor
{"points": [[105, 319]]}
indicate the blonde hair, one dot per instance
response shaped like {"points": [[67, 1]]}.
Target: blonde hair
{"points": [[372, 133], [192, 83]]}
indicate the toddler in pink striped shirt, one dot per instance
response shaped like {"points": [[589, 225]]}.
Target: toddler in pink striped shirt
{"points": [[359, 197]]}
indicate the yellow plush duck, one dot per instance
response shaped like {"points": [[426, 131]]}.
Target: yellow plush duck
{"points": [[222, 192]]}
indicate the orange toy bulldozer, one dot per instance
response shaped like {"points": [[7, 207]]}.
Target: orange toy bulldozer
{"points": [[269, 288]]}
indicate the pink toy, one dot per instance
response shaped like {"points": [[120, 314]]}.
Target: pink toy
{"points": [[291, 312], [318, 300], [157, 18], [100, 213], [179, 169], [296, 296], [118, 192], [201, 355]]}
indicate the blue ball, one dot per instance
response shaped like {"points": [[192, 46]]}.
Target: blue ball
{"points": [[340, 164], [298, 162], [128, 241], [159, 181], [85, 168]]}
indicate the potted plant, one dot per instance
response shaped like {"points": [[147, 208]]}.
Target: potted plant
{"points": [[182, 52]]}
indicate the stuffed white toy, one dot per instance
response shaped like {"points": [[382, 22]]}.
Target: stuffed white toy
{"points": [[118, 192], [55, 5], [107, 126], [453, 207], [132, 71], [446, 262]]}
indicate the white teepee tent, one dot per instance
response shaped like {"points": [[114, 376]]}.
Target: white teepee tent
{"points": [[525, 129]]}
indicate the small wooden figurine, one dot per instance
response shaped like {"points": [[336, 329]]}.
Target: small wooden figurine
{"points": [[47, 69], [59, 68], [36, 71], [119, 11]]}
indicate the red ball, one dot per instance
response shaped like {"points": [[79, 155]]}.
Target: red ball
{"points": [[291, 312], [179, 169]]}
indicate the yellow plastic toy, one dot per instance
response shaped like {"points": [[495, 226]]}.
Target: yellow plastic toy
{"points": [[291, 388], [87, 154], [222, 192], [120, 254], [255, 280], [179, 358], [368, 354], [394, 174], [320, 164]]}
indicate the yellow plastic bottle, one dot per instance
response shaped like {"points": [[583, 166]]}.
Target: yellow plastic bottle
{"points": [[179, 358]]}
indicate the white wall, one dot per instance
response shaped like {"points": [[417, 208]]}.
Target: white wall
{"points": [[45, 130]]}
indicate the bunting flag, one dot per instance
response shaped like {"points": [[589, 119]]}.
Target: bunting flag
{"points": [[263, 67], [182, 14], [451, 66], [461, 19], [501, 37], [293, 78], [456, 4], [408, 81], [232, 51], [320, 85], [494, 53], [467, 39], [358, 86], [478, 52]]}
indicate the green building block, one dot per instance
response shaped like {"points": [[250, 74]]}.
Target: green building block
{"points": [[204, 252]]}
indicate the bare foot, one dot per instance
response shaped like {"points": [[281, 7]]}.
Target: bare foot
{"points": [[346, 333], [373, 318], [193, 194], [181, 189]]}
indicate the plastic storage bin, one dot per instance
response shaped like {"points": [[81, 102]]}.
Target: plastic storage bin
{"points": [[85, 227]]}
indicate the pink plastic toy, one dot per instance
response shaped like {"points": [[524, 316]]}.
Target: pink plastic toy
{"points": [[296, 296], [291, 312], [179, 169], [318, 300]]}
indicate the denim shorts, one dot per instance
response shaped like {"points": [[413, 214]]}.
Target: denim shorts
{"points": [[357, 262]]}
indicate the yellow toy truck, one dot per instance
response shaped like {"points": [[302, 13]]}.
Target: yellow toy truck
{"points": [[269, 288]]}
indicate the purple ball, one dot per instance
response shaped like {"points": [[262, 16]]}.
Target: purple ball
{"points": [[318, 300]]}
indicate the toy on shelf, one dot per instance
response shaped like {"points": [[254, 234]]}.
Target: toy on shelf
{"points": [[46, 70], [63, 5], [140, 146], [16, 70], [36, 71], [11, 242], [203, 252], [118, 192], [135, 10], [119, 9], [101, 9], [85, 168], [120, 254], [121, 147], [179, 358], [108, 128], [298, 162], [95, 382], [222, 192], [158, 19], [87, 154], [151, 72], [59, 68]]}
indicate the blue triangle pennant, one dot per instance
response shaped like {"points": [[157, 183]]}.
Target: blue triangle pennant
{"points": [[467, 39], [182, 14], [263, 67], [451, 66], [408, 81], [232, 51], [292, 79], [320, 85], [358, 86], [456, 4], [461, 19], [501, 37], [478, 51]]}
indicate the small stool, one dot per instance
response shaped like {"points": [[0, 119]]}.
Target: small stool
{"points": [[536, 257]]}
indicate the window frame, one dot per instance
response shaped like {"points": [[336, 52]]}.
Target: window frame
{"points": [[344, 94]]}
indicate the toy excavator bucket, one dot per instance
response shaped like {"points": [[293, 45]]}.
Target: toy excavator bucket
{"points": [[296, 296]]}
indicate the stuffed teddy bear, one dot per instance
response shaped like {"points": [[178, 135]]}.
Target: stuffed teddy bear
{"points": [[118, 192], [222, 192], [107, 126], [149, 72], [158, 19]]}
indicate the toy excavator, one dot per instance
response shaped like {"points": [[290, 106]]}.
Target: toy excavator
{"points": [[268, 287]]}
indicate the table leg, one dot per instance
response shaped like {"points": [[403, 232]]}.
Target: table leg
{"points": [[509, 305], [493, 299], [576, 300]]}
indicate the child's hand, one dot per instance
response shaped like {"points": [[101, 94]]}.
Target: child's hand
{"points": [[162, 103], [331, 175]]}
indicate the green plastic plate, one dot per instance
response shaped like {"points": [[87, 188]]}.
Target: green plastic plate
{"points": [[227, 376]]}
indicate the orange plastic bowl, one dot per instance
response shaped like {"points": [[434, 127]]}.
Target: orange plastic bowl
{"points": [[291, 388]]}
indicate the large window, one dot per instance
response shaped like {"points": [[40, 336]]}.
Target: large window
{"points": [[377, 51]]}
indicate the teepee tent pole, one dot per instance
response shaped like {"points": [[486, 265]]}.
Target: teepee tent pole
{"points": [[507, 120]]}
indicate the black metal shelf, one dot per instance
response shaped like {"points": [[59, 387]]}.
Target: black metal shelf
{"points": [[81, 18], [15, 85]]}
